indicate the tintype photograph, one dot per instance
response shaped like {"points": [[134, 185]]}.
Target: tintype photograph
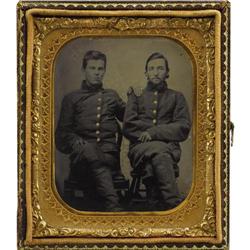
{"points": [[123, 133]]}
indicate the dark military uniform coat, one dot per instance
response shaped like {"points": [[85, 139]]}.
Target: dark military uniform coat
{"points": [[163, 113], [90, 114]]}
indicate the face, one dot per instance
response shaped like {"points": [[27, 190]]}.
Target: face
{"points": [[94, 71], [156, 71]]}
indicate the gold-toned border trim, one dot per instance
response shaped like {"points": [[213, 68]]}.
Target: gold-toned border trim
{"points": [[109, 13], [218, 96], [29, 60], [130, 212], [126, 5], [21, 123], [194, 160], [226, 121], [159, 240], [120, 14], [28, 158]]}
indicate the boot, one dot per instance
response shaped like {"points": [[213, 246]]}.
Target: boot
{"points": [[152, 193], [105, 188], [166, 182]]}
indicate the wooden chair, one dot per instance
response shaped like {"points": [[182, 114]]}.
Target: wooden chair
{"points": [[137, 190]]}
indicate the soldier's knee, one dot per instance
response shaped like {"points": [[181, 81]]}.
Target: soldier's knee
{"points": [[96, 168], [162, 159]]}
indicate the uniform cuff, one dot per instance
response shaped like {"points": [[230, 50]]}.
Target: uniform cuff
{"points": [[152, 133]]}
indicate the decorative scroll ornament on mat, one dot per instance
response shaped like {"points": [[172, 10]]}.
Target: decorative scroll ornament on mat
{"points": [[41, 156]]}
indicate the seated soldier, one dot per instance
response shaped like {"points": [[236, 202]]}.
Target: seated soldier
{"points": [[87, 130], [155, 121]]}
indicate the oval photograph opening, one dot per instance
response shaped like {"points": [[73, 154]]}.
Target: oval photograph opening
{"points": [[123, 124]]}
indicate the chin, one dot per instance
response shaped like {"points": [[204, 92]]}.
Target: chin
{"points": [[96, 83]]}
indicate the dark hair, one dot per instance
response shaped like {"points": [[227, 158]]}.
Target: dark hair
{"points": [[157, 55], [93, 55]]}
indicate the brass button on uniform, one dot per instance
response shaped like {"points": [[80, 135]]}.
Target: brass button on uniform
{"points": [[98, 108], [98, 116], [154, 111], [154, 121], [97, 132], [98, 139], [155, 102], [99, 99], [97, 124], [155, 93]]}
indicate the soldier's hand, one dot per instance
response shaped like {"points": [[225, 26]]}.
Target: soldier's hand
{"points": [[145, 137], [130, 91], [78, 145], [136, 91]]}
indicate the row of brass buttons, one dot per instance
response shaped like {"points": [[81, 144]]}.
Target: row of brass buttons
{"points": [[98, 118], [155, 102]]}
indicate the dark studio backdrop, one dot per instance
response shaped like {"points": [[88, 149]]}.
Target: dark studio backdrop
{"points": [[126, 58]]}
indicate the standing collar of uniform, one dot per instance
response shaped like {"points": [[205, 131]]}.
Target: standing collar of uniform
{"points": [[159, 87], [90, 88]]}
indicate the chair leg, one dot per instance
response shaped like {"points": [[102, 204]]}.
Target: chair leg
{"points": [[133, 186], [137, 186]]}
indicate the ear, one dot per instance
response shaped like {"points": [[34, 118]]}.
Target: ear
{"points": [[83, 74], [146, 74]]}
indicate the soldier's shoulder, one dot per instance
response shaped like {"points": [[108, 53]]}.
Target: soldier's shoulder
{"points": [[112, 92], [175, 92], [73, 95]]}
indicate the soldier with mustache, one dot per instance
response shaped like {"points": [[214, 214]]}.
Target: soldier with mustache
{"points": [[156, 120]]}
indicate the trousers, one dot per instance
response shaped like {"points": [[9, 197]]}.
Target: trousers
{"points": [[165, 181], [98, 177], [159, 159]]}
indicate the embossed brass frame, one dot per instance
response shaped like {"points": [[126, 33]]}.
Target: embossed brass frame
{"points": [[45, 221]]}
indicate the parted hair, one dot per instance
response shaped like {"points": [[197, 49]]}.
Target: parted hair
{"points": [[93, 55]]}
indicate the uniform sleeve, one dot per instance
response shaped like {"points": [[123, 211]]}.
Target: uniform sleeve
{"points": [[179, 128], [65, 136], [132, 126], [120, 108]]}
